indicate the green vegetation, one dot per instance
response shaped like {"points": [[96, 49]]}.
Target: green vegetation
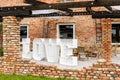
{"points": [[27, 77], [1, 51]]}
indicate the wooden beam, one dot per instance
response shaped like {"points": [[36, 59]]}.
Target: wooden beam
{"points": [[15, 13], [15, 8], [66, 10], [35, 2], [57, 14], [95, 14], [109, 8], [65, 5], [25, 11], [88, 9], [106, 16], [80, 4]]}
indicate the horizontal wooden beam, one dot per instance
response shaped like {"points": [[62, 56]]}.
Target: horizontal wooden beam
{"points": [[79, 4], [26, 11], [15, 13], [65, 5], [35, 3], [57, 14], [106, 16], [66, 10], [95, 14], [15, 8]]}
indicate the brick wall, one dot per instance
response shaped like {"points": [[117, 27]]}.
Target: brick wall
{"points": [[85, 30], [11, 43], [85, 33], [11, 2], [106, 38], [99, 71], [13, 63], [35, 27]]}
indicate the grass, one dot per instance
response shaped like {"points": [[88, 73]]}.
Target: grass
{"points": [[27, 77]]}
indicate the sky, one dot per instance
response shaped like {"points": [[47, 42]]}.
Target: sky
{"points": [[116, 7]]}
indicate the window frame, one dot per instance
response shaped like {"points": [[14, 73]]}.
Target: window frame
{"points": [[27, 30], [115, 28], [58, 29]]}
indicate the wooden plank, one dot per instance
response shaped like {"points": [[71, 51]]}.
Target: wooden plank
{"points": [[109, 8], [35, 2], [26, 10], [15, 8], [66, 5], [57, 14], [66, 10], [15, 13], [79, 4], [97, 14], [106, 16]]}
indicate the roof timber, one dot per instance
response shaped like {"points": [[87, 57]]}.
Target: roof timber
{"points": [[65, 5], [97, 14], [35, 2], [106, 16], [16, 13], [108, 8], [26, 11], [80, 4]]}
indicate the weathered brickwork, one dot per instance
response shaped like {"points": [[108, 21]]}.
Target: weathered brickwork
{"points": [[35, 27], [85, 29], [106, 39], [11, 43], [11, 2], [99, 71], [84, 25], [13, 63]]}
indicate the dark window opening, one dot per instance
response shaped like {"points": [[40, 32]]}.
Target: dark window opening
{"points": [[116, 33], [23, 32], [66, 31]]}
